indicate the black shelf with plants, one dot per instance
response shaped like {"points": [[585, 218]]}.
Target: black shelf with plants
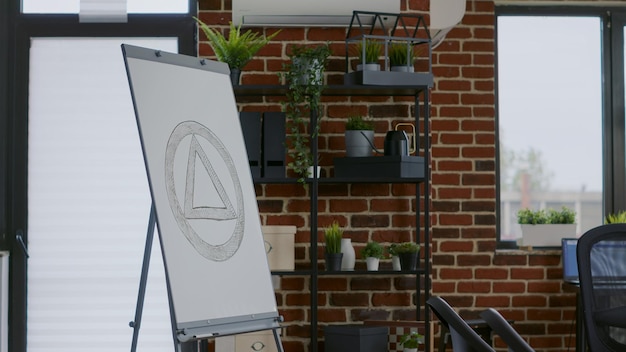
{"points": [[402, 39], [422, 273]]}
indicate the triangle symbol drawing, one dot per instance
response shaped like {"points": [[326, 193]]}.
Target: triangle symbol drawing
{"points": [[225, 212]]}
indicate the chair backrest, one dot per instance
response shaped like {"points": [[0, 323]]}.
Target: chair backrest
{"points": [[464, 338], [500, 326], [601, 254]]}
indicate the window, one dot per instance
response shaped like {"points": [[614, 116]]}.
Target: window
{"points": [[62, 113], [551, 116]]}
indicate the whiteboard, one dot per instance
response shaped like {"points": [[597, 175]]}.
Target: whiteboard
{"points": [[217, 272]]}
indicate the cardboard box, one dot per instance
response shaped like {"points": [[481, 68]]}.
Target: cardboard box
{"points": [[279, 246]]}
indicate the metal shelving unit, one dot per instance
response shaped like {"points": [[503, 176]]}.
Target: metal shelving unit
{"points": [[423, 271]]}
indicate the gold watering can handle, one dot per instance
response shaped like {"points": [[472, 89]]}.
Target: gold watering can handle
{"points": [[413, 146]]}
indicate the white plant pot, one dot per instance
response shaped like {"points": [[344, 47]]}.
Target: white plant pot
{"points": [[410, 350], [395, 263], [402, 69], [372, 263], [349, 257], [368, 67], [546, 235], [309, 172]]}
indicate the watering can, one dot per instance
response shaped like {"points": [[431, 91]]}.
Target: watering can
{"points": [[397, 141]]}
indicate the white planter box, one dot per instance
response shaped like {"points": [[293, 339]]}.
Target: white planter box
{"points": [[279, 246], [546, 235]]}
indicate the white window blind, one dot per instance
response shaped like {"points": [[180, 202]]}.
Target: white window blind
{"points": [[88, 203]]}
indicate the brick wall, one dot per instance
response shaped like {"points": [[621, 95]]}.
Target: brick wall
{"points": [[467, 271]]}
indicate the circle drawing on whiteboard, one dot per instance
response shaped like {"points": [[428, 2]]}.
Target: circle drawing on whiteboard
{"points": [[226, 211]]}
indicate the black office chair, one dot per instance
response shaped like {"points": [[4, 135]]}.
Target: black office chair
{"points": [[601, 255], [464, 338], [502, 327]]}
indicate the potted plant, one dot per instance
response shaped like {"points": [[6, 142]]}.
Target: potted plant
{"points": [[546, 227], [411, 341], [359, 137], [368, 50], [407, 251], [395, 259], [615, 218], [332, 251], [372, 252], [304, 77], [401, 57], [236, 50]]}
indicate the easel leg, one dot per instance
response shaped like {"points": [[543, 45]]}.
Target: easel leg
{"points": [[279, 344], [191, 346], [135, 324]]}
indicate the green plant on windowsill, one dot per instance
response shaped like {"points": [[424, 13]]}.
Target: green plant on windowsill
{"points": [[549, 216], [303, 75]]}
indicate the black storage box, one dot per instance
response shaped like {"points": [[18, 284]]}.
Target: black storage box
{"points": [[380, 166], [356, 338]]}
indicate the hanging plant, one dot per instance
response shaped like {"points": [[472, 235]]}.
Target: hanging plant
{"points": [[303, 75]]}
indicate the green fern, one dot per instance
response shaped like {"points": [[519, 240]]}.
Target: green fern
{"points": [[239, 48]]}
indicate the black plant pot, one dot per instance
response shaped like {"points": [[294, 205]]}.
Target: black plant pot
{"points": [[408, 261], [235, 74], [333, 261]]}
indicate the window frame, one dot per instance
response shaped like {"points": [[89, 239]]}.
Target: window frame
{"points": [[612, 141]]}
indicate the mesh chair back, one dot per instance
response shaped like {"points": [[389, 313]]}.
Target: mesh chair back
{"points": [[601, 254]]}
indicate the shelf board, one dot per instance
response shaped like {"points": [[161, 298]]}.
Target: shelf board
{"points": [[366, 272], [330, 180], [248, 90]]}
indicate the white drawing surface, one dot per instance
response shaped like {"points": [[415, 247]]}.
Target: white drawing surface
{"points": [[201, 184]]}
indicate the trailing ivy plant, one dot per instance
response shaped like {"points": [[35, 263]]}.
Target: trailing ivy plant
{"points": [[304, 76]]}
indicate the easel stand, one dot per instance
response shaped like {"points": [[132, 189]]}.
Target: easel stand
{"points": [[186, 339]]}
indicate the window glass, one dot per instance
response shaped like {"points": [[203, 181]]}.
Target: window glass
{"points": [[133, 6], [88, 202], [549, 117]]}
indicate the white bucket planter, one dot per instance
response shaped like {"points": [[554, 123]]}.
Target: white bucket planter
{"points": [[402, 69], [545, 235], [368, 67]]}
